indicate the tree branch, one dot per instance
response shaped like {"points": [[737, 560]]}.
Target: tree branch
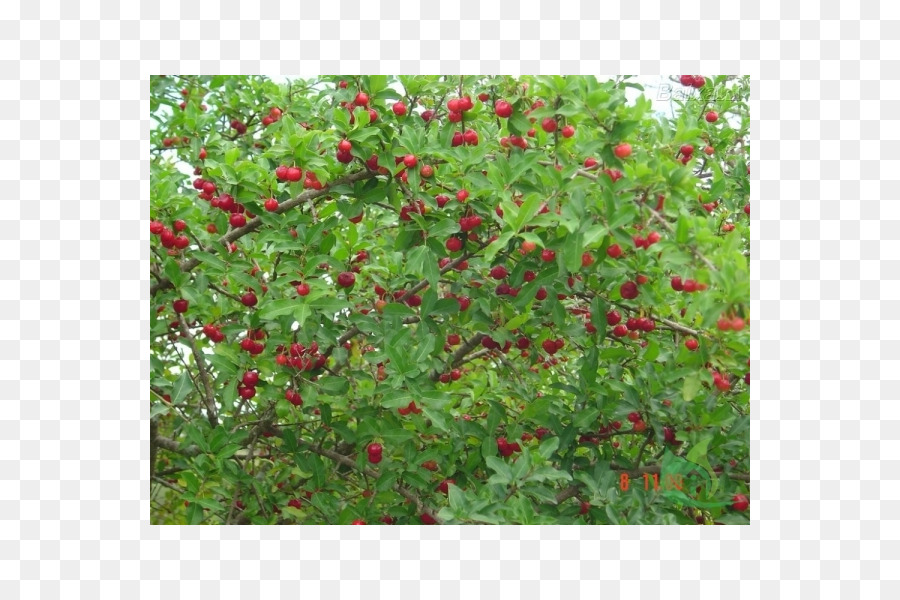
{"points": [[209, 398]]}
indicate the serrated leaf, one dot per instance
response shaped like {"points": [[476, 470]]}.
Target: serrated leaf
{"points": [[214, 262]]}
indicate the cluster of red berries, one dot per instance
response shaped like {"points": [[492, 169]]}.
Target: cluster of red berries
{"points": [[551, 347], [453, 375], [407, 209], [167, 237], [410, 408], [721, 381], [213, 333], [170, 141], [301, 357], [694, 81], [360, 101], [374, 450], [688, 285], [469, 223], [238, 126], [247, 385], [514, 140], [469, 138], [251, 344], [727, 323], [505, 448], [457, 106], [645, 242], [293, 397], [273, 116], [637, 422]]}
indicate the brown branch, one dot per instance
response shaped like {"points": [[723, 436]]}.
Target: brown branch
{"points": [[209, 397]]}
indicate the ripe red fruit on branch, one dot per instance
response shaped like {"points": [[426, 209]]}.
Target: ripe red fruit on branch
{"points": [[712, 116], [503, 109], [614, 251], [410, 160], [549, 346], [180, 306], [399, 108], [740, 502], [676, 284], [250, 378], [271, 204], [687, 149], [237, 220], [362, 99], [462, 195], [454, 244], [568, 131], [443, 486], [249, 299], [691, 344], [499, 272], [346, 279], [548, 255], [303, 289], [622, 150], [628, 290], [345, 146], [549, 124]]}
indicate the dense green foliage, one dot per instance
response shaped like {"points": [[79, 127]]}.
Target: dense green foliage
{"points": [[517, 382]]}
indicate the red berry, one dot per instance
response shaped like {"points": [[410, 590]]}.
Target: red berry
{"points": [[687, 80], [303, 289], [250, 378], [549, 124], [676, 284], [541, 294], [740, 502], [628, 290], [641, 279], [443, 486], [237, 220], [590, 162], [549, 346], [454, 244], [747, 209], [345, 146], [687, 149], [548, 255], [271, 204], [470, 137], [362, 99], [614, 251], [712, 116], [724, 324], [568, 131], [249, 299], [622, 150], [294, 174], [587, 259], [613, 317], [699, 81], [503, 109], [426, 171], [585, 507], [499, 272], [346, 279], [399, 109], [737, 324], [462, 195], [180, 305], [691, 344]]}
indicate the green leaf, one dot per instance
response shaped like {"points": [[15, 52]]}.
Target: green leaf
{"points": [[279, 308], [690, 388], [395, 309], [573, 248], [215, 263], [182, 387], [457, 500], [334, 386], [500, 468], [682, 229], [548, 447]]}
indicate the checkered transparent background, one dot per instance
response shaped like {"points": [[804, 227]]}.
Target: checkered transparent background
{"points": [[74, 361]]}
